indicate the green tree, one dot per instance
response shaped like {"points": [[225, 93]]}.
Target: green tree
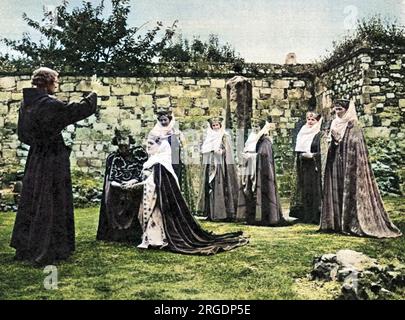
{"points": [[208, 51], [84, 40]]}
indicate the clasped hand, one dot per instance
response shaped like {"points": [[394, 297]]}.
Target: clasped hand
{"points": [[336, 136], [131, 184]]}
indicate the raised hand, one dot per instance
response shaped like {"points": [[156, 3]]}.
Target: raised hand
{"points": [[95, 83]]}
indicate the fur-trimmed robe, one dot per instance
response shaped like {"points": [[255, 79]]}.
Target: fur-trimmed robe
{"points": [[352, 203], [119, 208]]}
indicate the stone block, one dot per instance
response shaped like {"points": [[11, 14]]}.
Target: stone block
{"points": [[295, 94], [299, 84], [147, 87], [257, 83], [378, 99], [23, 84], [176, 91], [194, 92], [204, 83], [7, 83], [67, 87], [16, 96], [121, 90], [5, 96], [110, 115], [395, 67], [371, 89], [188, 81], [97, 163], [144, 100], [277, 94], [134, 125], [218, 83], [163, 102], [265, 91], [276, 112], [130, 101], [3, 109], [110, 102], [103, 91], [280, 84], [162, 90]]}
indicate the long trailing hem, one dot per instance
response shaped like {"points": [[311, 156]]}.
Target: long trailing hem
{"points": [[183, 233], [352, 203]]}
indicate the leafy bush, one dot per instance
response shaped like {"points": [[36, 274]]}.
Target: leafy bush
{"points": [[87, 189], [372, 31], [385, 161], [198, 51]]}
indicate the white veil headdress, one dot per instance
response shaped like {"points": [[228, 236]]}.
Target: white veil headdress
{"points": [[339, 125], [213, 139], [253, 139], [306, 136], [164, 132]]}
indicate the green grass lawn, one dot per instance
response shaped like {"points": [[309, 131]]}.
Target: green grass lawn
{"points": [[273, 266]]}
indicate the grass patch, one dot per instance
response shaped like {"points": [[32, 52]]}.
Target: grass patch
{"points": [[273, 266]]}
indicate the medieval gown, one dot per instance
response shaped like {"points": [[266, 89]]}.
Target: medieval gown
{"points": [[167, 221], [44, 226], [259, 202], [219, 185], [176, 140], [119, 208], [352, 203], [306, 202]]}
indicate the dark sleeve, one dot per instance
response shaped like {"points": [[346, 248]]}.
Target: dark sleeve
{"points": [[22, 136], [59, 114], [108, 164], [316, 145]]}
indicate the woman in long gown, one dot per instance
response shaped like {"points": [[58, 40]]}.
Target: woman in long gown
{"points": [[119, 208], [259, 202], [218, 198], [306, 202], [164, 215], [352, 203], [44, 227], [165, 129]]}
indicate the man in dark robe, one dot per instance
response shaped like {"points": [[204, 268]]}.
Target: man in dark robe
{"points": [[219, 185], [119, 208], [44, 226], [306, 200], [259, 202], [352, 203]]}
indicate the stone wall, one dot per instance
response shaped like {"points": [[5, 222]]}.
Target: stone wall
{"points": [[376, 77], [132, 102]]}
